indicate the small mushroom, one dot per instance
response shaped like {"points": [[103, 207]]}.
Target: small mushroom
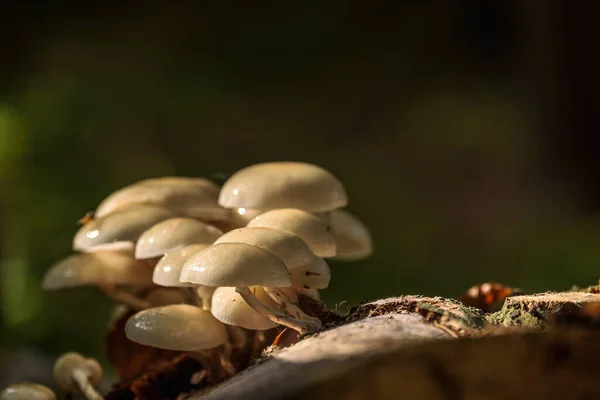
{"points": [[78, 375], [229, 307], [317, 233], [179, 327], [27, 391], [288, 247], [241, 265], [275, 185], [352, 236], [125, 224], [172, 234], [192, 197], [105, 269]]}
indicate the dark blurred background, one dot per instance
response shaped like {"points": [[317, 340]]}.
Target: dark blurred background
{"points": [[466, 133]]}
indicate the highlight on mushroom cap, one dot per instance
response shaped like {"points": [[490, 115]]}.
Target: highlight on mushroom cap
{"points": [[125, 224], [315, 232], [174, 233], [178, 327], [288, 247], [231, 309], [235, 264], [193, 197], [286, 184], [27, 391], [98, 267], [168, 269]]}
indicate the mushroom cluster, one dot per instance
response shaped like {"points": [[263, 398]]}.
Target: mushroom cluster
{"points": [[202, 265]]}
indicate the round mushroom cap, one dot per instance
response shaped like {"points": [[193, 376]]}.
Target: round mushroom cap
{"points": [[314, 275], [172, 234], [352, 236], [66, 364], [99, 267], [315, 232], [125, 224], [235, 264], [168, 269], [180, 327], [288, 247], [231, 309], [192, 197], [287, 184], [27, 391]]}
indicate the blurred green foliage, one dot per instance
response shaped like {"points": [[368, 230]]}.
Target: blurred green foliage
{"points": [[447, 169]]}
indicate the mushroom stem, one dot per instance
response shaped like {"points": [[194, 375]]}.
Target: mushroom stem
{"points": [[196, 300], [272, 314], [81, 377], [123, 297], [290, 308]]}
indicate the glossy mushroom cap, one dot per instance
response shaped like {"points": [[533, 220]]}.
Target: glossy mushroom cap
{"points": [[66, 364], [27, 391], [231, 309], [235, 264], [176, 327], [172, 234], [193, 197], [314, 275], [315, 232], [288, 247], [168, 269], [96, 268], [274, 185], [125, 224], [352, 236]]}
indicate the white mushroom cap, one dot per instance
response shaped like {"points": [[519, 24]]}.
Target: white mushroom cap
{"points": [[168, 269], [172, 234], [99, 267], [316, 232], [230, 308], [165, 296], [179, 327], [288, 247], [27, 391], [352, 236], [125, 224], [235, 264], [69, 362], [193, 197], [314, 275], [283, 184]]}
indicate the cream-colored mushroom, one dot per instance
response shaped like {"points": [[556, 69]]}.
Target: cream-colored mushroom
{"points": [[173, 234], [317, 233], [314, 275], [105, 269], [192, 197], [125, 224], [353, 237], [27, 391], [229, 307], [275, 185], [180, 327], [78, 375], [242, 265]]}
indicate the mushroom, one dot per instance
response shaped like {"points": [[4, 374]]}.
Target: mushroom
{"points": [[229, 307], [105, 269], [172, 234], [125, 224], [78, 375], [275, 185], [242, 265], [27, 391], [192, 197], [317, 233], [168, 270], [352, 236]]}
